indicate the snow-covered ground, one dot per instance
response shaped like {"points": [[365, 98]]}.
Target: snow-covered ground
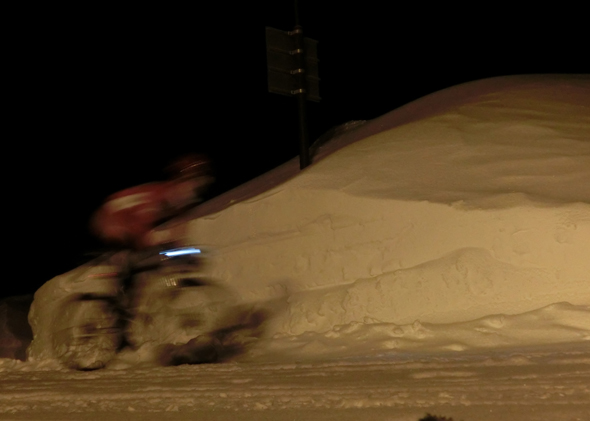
{"points": [[434, 260], [542, 383]]}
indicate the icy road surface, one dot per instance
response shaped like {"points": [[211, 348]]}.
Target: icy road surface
{"points": [[540, 383]]}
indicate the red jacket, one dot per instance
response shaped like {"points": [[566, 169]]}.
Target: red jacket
{"points": [[129, 216]]}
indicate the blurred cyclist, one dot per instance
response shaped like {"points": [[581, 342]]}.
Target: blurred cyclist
{"points": [[102, 322], [128, 218]]}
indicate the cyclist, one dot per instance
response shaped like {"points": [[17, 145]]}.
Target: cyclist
{"points": [[128, 218]]}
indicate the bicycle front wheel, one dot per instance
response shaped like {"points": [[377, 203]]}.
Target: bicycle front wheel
{"points": [[90, 333]]}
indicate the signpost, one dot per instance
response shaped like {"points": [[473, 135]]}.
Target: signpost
{"points": [[293, 71]]}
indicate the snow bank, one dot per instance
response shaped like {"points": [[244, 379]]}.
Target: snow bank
{"points": [[556, 323], [479, 204]]}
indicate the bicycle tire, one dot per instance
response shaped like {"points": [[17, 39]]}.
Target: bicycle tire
{"points": [[90, 332]]}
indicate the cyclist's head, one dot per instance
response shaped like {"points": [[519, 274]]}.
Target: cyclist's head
{"points": [[189, 166]]}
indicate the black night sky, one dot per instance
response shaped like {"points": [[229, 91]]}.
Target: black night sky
{"points": [[102, 97]]}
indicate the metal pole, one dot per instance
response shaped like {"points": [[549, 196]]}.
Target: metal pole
{"points": [[302, 91], [296, 3]]}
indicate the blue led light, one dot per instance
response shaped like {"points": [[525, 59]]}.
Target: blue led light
{"points": [[180, 252]]}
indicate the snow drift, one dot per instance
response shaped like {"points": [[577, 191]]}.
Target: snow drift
{"points": [[471, 201], [464, 205]]}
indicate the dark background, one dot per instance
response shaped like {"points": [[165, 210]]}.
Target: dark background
{"points": [[100, 98]]}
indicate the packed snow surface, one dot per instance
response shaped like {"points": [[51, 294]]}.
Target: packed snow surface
{"points": [[526, 384], [435, 261]]}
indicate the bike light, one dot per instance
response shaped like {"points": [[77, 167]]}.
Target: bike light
{"points": [[180, 252]]}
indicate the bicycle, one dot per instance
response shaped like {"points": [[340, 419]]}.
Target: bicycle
{"points": [[157, 297]]}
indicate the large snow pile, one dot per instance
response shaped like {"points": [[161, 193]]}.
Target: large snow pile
{"points": [[462, 221], [470, 202]]}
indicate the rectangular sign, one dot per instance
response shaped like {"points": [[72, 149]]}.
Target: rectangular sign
{"points": [[283, 68]]}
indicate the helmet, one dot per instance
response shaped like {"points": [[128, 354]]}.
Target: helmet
{"points": [[190, 165]]}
